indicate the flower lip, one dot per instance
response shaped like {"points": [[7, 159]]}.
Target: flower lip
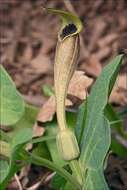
{"points": [[71, 24], [68, 29]]}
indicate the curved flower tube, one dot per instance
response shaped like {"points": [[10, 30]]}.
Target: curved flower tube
{"points": [[66, 58]]}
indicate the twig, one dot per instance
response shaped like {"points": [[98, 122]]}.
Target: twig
{"points": [[44, 179], [49, 177], [120, 139], [18, 182], [36, 102], [35, 186], [32, 100]]}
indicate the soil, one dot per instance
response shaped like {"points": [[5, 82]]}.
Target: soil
{"points": [[29, 36]]}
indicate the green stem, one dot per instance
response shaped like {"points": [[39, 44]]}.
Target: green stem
{"points": [[44, 162], [4, 149], [76, 170], [4, 136], [114, 122], [84, 119]]}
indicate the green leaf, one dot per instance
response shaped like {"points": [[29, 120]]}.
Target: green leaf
{"points": [[94, 135], [71, 118], [41, 150], [95, 180], [12, 105], [123, 113], [17, 144], [22, 137], [97, 145], [71, 24], [118, 148], [4, 136], [113, 116], [18, 137], [13, 168], [44, 162], [27, 121], [110, 113], [52, 146], [68, 186], [4, 169], [81, 119], [47, 90], [43, 138], [4, 149], [58, 181], [51, 131], [23, 129]]}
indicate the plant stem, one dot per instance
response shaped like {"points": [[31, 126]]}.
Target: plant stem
{"points": [[84, 119], [44, 162], [4, 149], [74, 164], [114, 122]]}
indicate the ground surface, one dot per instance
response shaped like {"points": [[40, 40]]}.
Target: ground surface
{"points": [[28, 38]]}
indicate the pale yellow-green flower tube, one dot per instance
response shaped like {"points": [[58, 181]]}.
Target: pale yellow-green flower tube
{"points": [[66, 58], [67, 53]]}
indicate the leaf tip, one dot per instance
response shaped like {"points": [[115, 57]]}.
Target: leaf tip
{"points": [[120, 56]]}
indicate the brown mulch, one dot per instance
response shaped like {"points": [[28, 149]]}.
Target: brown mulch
{"points": [[28, 42]]}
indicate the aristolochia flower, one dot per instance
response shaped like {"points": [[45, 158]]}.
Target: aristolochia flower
{"points": [[66, 58]]}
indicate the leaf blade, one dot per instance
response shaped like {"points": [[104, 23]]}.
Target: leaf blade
{"points": [[98, 145], [12, 104], [97, 102], [97, 184], [4, 169]]}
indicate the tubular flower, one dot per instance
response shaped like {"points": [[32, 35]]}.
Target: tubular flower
{"points": [[66, 58]]}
